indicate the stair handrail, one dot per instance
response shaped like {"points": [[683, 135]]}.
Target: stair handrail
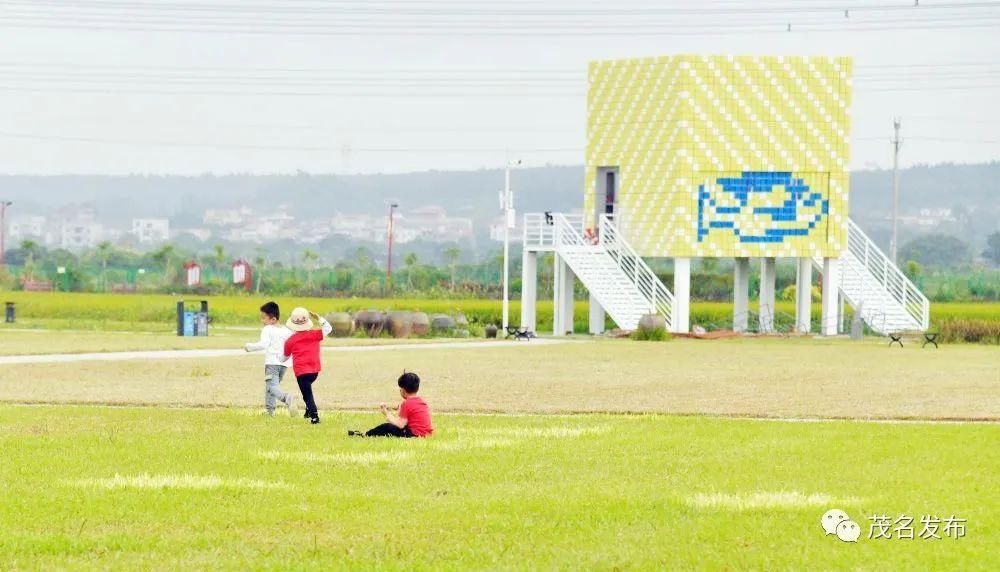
{"points": [[660, 299], [892, 279], [564, 234]]}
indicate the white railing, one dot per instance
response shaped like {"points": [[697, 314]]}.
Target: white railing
{"points": [[539, 228], [565, 234], [660, 300], [888, 275]]}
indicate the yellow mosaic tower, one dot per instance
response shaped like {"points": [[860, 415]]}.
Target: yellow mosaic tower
{"points": [[721, 156], [741, 157]]}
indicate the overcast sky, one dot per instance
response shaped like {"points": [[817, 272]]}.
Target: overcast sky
{"points": [[265, 86]]}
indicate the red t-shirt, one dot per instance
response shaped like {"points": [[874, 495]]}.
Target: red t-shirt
{"points": [[304, 349], [417, 415]]}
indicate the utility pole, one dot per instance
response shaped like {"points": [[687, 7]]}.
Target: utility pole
{"points": [[3, 231], [388, 268], [507, 205], [896, 144]]}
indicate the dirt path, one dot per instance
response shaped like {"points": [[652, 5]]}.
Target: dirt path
{"points": [[208, 353]]}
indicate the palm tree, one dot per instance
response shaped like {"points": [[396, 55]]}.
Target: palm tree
{"points": [[163, 256], [498, 264], [363, 260], [309, 258], [220, 261], [451, 255], [258, 263], [103, 254], [410, 260], [30, 248]]}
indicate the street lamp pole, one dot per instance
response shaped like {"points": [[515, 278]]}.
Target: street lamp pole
{"points": [[3, 231], [388, 268], [507, 205]]}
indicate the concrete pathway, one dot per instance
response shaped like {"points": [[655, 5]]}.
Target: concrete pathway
{"points": [[183, 354]]}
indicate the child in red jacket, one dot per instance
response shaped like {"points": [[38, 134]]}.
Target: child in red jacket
{"points": [[303, 347], [413, 419]]}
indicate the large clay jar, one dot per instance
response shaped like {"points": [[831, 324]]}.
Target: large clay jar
{"points": [[343, 324], [461, 321], [652, 322], [421, 323], [442, 323], [491, 331], [400, 324], [371, 322]]}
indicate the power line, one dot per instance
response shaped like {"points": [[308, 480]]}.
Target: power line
{"points": [[576, 71], [241, 146], [285, 17], [331, 150], [482, 29], [510, 7], [198, 22]]}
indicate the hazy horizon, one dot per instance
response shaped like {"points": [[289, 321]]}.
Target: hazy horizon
{"points": [[341, 87]]}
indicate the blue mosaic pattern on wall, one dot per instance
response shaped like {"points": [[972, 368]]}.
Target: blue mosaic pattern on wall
{"points": [[760, 207]]}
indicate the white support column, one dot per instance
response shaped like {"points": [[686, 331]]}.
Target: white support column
{"points": [[803, 296], [765, 301], [741, 294], [529, 290], [597, 316], [831, 290], [840, 312], [567, 299], [557, 292], [682, 296]]}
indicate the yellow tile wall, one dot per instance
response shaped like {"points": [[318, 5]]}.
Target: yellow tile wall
{"points": [[674, 124]]}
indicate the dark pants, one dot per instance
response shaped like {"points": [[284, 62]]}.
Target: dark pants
{"points": [[305, 386], [389, 430]]}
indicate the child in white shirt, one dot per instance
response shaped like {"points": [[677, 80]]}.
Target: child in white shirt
{"points": [[272, 343]]}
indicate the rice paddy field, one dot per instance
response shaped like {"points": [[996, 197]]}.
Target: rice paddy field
{"points": [[158, 312], [574, 454]]}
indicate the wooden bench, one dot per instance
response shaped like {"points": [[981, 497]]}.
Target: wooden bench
{"points": [[928, 337], [518, 334]]}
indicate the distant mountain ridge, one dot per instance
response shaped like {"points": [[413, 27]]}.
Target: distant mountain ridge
{"points": [[970, 191]]}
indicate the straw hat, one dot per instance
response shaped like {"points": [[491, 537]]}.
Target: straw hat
{"points": [[299, 321]]}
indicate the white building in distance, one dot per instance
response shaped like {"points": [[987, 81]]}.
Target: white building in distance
{"points": [[151, 230], [29, 228]]}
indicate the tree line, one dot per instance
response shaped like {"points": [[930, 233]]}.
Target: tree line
{"points": [[942, 266]]}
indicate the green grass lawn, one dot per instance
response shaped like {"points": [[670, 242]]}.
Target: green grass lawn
{"points": [[153, 488], [218, 486]]}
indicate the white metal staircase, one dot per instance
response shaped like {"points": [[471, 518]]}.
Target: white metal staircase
{"points": [[877, 289], [614, 274]]}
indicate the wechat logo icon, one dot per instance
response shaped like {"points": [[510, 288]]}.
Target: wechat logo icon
{"points": [[836, 521]]}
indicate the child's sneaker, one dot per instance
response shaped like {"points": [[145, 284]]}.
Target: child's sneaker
{"points": [[314, 420], [353, 433], [290, 403]]}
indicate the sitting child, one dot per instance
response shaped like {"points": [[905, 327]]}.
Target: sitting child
{"points": [[413, 418]]}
